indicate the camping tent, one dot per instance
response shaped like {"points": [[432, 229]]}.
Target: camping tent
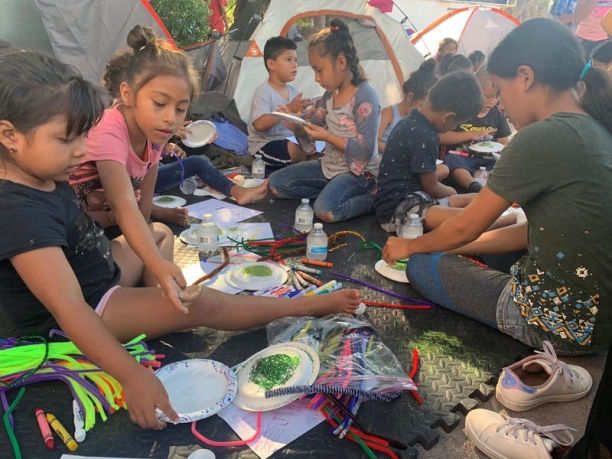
{"points": [[384, 49], [476, 28]]}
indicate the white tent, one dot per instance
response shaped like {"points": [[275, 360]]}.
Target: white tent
{"points": [[384, 49], [477, 28]]}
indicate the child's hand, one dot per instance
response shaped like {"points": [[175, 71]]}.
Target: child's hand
{"points": [[297, 105], [478, 135], [396, 248], [316, 132], [172, 282], [182, 132], [174, 148], [144, 392]]}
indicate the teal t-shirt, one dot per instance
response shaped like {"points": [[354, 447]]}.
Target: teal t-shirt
{"points": [[560, 171]]}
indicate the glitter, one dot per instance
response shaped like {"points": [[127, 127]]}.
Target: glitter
{"points": [[273, 371], [257, 271]]}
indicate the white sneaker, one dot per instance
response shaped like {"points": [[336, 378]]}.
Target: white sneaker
{"points": [[540, 379], [502, 437]]}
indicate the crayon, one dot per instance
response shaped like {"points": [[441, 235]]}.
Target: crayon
{"points": [[79, 422], [324, 264], [300, 279], [309, 278], [61, 432], [306, 269], [45, 430]]}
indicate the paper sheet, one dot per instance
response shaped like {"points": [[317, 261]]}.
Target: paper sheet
{"points": [[244, 232], [278, 427], [222, 212]]}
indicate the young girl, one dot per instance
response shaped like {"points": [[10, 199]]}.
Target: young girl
{"points": [[153, 85], [346, 119], [46, 110], [558, 168], [415, 90]]}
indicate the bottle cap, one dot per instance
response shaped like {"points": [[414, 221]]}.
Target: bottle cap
{"points": [[483, 168], [305, 200], [207, 216], [258, 156], [318, 226], [414, 216]]}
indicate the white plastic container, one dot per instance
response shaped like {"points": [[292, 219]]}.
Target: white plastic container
{"points": [[258, 168], [304, 216], [208, 235], [413, 228], [481, 175], [316, 243]]}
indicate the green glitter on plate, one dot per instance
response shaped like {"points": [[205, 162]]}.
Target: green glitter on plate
{"points": [[274, 371], [257, 271], [164, 200], [399, 265]]}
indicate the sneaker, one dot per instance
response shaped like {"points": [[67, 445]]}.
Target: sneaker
{"points": [[502, 437], [540, 379]]}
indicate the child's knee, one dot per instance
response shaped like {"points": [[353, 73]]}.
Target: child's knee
{"points": [[273, 191], [327, 217]]}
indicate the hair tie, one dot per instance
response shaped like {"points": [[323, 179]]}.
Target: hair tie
{"points": [[585, 70], [141, 48], [334, 28]]}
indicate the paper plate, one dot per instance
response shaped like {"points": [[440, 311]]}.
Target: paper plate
{"points": [[197, 388], [397, 275], [288, 117], [204, 132], [487, 147], [168, 201], [255, 276], [302, 369], [250, 183], [190, 235]]}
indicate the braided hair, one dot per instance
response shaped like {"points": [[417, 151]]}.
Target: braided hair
{"points": [[334, 41]]}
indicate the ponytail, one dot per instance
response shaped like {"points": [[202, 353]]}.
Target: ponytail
{"points": [[596, 99]]}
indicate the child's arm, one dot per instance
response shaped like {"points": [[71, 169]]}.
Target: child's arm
{"points": [[143, 391], [386, 117], [431, 186], [455, 137], [132, 220]]}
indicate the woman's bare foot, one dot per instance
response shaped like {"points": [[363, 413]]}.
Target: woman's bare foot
{"points": [[248, 195], [341, 301], [177, 215]]}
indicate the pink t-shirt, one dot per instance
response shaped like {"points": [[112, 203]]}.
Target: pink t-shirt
{"points": [[110, 140], [590, 28]]}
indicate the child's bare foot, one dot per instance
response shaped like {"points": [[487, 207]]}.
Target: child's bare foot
{"points": [[341, 301], [177, 215], [249, 195]]}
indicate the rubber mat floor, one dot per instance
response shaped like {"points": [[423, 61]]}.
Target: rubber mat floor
{"points": [[460, 360]]}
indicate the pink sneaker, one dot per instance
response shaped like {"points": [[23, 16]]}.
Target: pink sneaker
{"points": [[502, 437], [540, 379]]}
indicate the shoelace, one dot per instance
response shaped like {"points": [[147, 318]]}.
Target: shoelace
{"points": [[550, 355], [559, 433]]}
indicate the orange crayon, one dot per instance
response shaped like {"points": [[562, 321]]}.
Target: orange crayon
{"points": [[61, 432], [325, 264], [45, 430]]}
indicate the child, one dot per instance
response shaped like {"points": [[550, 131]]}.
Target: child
{"points": [[267, 134], [446, 46], [477, 58], [153, 85], [346, 118], [56, 266], [602, 56], [557, 167], [454, 62], [415, 90], [489, 124], [407, 181]]}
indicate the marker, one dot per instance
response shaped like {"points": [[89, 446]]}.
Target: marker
{"points": [[45, 430], [325, 264], [61, 432], [333, 288], [305, 291], [306, 269], [460, 153], [79, 422], [309, 278], [323, 287]]}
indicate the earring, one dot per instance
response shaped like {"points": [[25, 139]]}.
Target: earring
{"points": [[12, 149]]}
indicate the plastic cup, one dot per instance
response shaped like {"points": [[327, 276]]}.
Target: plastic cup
{"points": [[188, 186]]}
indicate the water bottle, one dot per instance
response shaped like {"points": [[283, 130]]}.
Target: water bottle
{"points": [[481, 175], [304, 215], [316, 243], [258, 168], [208, 235], [413, 228]]}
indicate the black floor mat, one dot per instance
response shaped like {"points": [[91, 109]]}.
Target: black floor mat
{"points": [[460, 360]]}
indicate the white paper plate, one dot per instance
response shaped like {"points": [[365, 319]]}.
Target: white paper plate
{"points": [[169, 201], [387, 271], [250, 182], [487, 147], [190, 235], [197, 388], [250, 396], [288, 117], [241, 276], [204, 132]]}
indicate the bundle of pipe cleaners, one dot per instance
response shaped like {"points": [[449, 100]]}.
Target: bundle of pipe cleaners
{"points": [[33, 359]]}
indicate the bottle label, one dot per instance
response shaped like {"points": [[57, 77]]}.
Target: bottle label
{"points": [[317, 249], [304, 221], [209, 239], [258, 169]]}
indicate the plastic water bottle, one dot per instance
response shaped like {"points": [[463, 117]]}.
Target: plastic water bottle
{"points": [[316, 243], [258, 168], [413, 228], [208, 235], [481, 175], [304, 215]]}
